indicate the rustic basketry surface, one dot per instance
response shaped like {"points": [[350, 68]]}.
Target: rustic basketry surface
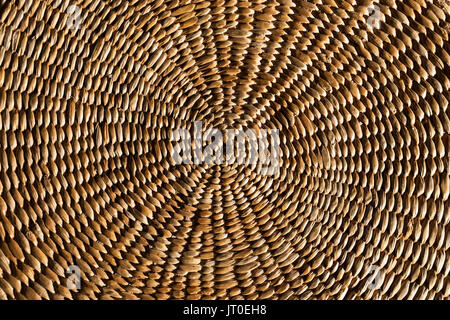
{"points": [[91, 91]]}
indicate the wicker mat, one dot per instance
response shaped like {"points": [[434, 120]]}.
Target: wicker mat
{"points": [[94, 95]]}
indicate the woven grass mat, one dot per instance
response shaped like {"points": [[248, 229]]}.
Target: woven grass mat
{"points": [[92, 206]]}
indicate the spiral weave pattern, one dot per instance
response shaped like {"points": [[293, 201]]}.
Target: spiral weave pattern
{"points": [[91, 92]]}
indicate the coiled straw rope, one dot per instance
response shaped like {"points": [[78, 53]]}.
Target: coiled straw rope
{"points": [[91, 92]]}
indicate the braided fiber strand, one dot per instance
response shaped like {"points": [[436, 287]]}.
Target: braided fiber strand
{"points": [[92, 91]]}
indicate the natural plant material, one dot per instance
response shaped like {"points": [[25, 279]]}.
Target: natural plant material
{"points": [[92, 206]]}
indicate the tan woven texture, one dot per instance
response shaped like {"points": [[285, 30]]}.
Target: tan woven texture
{"points": [[91, 91]]}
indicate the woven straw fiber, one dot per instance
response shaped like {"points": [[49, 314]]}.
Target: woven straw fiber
{"points": [[91, 91]]}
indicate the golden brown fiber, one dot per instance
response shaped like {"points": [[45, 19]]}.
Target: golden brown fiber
{"points": [[91, 92]]}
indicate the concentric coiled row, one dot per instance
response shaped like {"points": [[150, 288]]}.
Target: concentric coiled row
{"points": [[92, 91]]}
